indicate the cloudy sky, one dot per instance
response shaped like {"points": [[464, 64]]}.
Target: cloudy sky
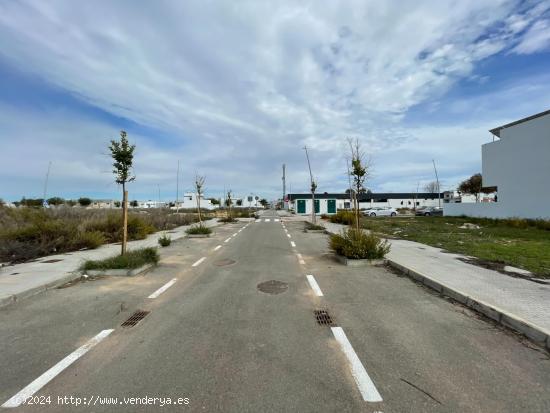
{"points": [[234, 89]]}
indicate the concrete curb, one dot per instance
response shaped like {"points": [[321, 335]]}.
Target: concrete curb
{"points": [[13, 299], [538, 334], [121, 273]]}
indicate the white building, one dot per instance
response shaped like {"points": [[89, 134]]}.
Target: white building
{"points": [[326, 203], [189, 201], [151, 204], [517, 162]]}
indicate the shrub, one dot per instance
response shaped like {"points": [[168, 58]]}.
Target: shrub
{"points": [[314, 227], [359, 245], [130, 260], [343, 217], [199, 229], [84, 201], [227, 220], [90, 239], [165, 240]]}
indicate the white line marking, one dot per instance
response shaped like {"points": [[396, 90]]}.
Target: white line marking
{"points": [[49, 375], [217, 248], [275, 220], [228, 239], [288, 235], [300, 259], [293, 244], [314, 286], [199, 262], [163, 288], [364, 382], [258, 220], [267, 220]]}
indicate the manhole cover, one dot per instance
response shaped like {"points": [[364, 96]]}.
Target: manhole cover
{"points": [[273, 287], [224, 262]]}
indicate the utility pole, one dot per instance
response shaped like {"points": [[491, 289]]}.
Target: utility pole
{"points": [[438, 187], [313, 220], [284, 186], [46, 183], [178, 188]]}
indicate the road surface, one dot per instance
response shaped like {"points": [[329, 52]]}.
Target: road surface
{"points": [[231, 328]]}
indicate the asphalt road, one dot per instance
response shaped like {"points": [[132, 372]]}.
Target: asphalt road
{"points": [[214, 342]]}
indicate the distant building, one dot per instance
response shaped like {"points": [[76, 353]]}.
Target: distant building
{"points": [[326, 203], [517, 162], [151, 204], [189, 201], [102, 204]]}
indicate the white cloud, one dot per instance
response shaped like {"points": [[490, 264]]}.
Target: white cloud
{"points": [[537, 38], [244, 85]]}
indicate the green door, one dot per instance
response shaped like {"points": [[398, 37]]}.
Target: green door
{"points": [[331, 206], [317, 208], [301, 206]]}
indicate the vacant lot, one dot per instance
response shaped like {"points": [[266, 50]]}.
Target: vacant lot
{"points": [[520, 243], [28, 233]]}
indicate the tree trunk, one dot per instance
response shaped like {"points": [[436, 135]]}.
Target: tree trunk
{"points": [[313, 217], [199, 208], [124, 220]]}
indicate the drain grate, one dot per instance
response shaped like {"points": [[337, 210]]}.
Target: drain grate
{"points": [[323, 317], [135, 318], [51, 261]]}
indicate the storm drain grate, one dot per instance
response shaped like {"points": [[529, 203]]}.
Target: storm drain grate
{"points": [[51, 261], [323, 317], [135, 318]]}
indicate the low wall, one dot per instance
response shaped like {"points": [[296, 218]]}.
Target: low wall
{"points": [[491, 210]]}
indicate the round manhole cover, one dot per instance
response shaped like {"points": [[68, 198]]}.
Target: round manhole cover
{"points": [[273, 287], [224, 262]]}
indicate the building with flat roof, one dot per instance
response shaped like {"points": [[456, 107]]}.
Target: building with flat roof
{"points": [[326, 203], [517, 162]]}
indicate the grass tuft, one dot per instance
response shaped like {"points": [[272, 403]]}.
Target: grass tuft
{"points": [[165, 240], [130, 260], [199, 229]]}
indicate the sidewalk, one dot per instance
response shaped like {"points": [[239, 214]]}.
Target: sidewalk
{"points": [[26, 279], [517, 303]]}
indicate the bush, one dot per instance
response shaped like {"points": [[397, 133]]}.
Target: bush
{"points": [[199, 229], [343, 217], [165, 240], [359, 245], [90, 239], [227, 220], [130, 260], [314, 227]]}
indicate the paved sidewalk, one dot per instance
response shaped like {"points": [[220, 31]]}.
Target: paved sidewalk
{"points": [[22, 280], [518, 303]]}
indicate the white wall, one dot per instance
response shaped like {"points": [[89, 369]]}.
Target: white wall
{"points": [[519, 165]]}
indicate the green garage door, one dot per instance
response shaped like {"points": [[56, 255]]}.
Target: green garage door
{"points": [[301, 206], [317, 207], [331, 206]]}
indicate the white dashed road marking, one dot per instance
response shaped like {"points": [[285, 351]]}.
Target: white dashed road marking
{"points": [[217, 248], [293, 244], [288, 235], [163, 288], [364, 383], [199, 262], [228, 239], [300, 259], [267, 220], [45, 378], [314, 286]]}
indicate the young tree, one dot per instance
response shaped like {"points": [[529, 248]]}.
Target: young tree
{"points": [[264, 203], [228, 202], [123, 156], [214, 201], [239, 202], [431, 187], [134, 204], [359, 173], [117, 204], [199, 185], [313, 188]]}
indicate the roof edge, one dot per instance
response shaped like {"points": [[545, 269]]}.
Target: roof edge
{"points": [[496, 131]]}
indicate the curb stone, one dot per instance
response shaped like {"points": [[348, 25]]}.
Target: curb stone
{"points": [[535, 333], [13, 299]]}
